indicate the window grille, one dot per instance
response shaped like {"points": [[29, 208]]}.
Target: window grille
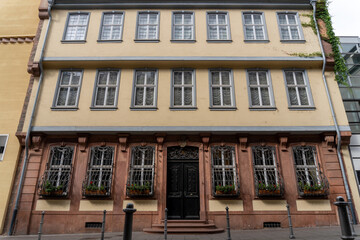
{"points": [[223, 166], [183, 88], [268, 181], [222, 92], [148, 26], [298, 88], [145, 88], [289, 25], [112, 26], [311, 181], [76, 27], [218, 26], [106, 89], [142, 171], [99, 174], [254, 26], [183, 26], [56, 178], [260, 89], [68, 89]]}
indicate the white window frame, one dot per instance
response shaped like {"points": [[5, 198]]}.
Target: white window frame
{"points": [[76, 25], [259, 86], [306, 85], [157, 25], [298, 25], [121, 25], [145, 86], [193, 86], [306, 168], [183, 25], [217, 25], [6, 136], [264, 167], [232, 91], [58, 86], [96, 87], [253, 25]]}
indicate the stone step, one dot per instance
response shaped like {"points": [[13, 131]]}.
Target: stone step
{"points": [[184, 230]]}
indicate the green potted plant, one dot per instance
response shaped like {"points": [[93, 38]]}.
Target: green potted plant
{"points": [[268, 189], [93, 189], [137, 189], [50, 189], [312, 189], [225, 189]]}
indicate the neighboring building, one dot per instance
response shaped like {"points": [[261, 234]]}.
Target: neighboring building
{"points": [[18, 24], [191, 106]]}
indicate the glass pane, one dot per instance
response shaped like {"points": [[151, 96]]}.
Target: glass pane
{"points": [[188, 18], [293, 97], [352, 106], [215, 78], [72, 96], [213, 33], [178, 32], [254, 92], [149, 97], [353, 116], [223, 32], [259, 33], [356, 92], [100, 97], [178, 18], [139, 96], [107, 19], [177, 97], [118, 18], [355, 81], [143, 18], [152, 32], [80, 34], [212, 18], [116, 32], [73, 19], [62, 97], [226, 97], [177, 78], [222, 18], [153, 18], [303, 96], [299, 78], [265, 97], [289, 78], [247, 18], [110, 101], [140, 77], [150, 77], [295, 33], [142, 32], [102, 78], [83, 19], [106, 33], [65, 78], [187, 77], [346, 93], [285, 33], [188, 33], [257, 19], [291, 18], [225, 78], [262, 78], [252, 78], [188, 96], [249, 33], [282, 19], [216, 97], [70, 33], [113, 78]]}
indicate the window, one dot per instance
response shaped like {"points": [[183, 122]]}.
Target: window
{"points": [[106, 88], [183, 89], [221, 89], [76, 27], [298, 89], [68, 89], [142, 167], [148, 26], [145, 89], [183, 26], [223, 168], [56, 179], [254, 26], [260, 89], [3, 142], [289, 26], [112, 26], [218, 26], [100, 169]]}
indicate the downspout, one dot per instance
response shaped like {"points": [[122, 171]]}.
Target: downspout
{"points": [[27, 139], [347, 190]]}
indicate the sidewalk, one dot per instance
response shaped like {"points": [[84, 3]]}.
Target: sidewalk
{"points": [[318, 233]]}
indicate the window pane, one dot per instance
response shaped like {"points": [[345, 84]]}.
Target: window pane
{"points": [[72, 96], [225, 78], [222, 18], [177, 97], [140, 77], [254, 96], [223, 32], [103, 78], [285, 33], [178, 32], [152, 32], [108, 19], [153, 18], [65, 79], [257, 19], [143, 18], [142, 32], [73, 19], [216, 96], [100, 97], [259, 33], [118, 18], [177, 78], [293, 96], [299, 78], [289, 78], [187, 77], [139, 96], [213, 32], [282, 19], [247, 18], [215, 77], [110, 101], [291, 18], [178, 18], [265, 96], [188, 96], [62, 97], [212, 18], [106, 33], [303, 96], [149, 96], [188, 33], [188, 18], [249, 33], [294, 33], [262, 78], [75, 78], [113, 78], [150, 78], [227, 96], [252, 78]]}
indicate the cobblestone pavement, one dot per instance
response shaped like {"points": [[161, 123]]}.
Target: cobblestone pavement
{"points": [[318, 233]]}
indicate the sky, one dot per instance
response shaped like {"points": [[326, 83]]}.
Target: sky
{"points": [[345, 17]]}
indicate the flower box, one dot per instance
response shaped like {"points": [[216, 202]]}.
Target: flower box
{"points": [[138, 192], [90, 193], [269, 192], [315, 192], [52, 193]]}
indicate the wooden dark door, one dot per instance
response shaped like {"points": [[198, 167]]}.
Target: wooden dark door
{"points": [[183, 201]]}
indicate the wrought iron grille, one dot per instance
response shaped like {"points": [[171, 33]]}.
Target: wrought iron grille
{"points": [[268, 181], [223, 164], [311, 181], [56, 178], [187, 153], [98, 179], [142, 171]]}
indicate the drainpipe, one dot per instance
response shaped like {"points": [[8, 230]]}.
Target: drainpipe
{"points": [[27, 139], [347, 190]]}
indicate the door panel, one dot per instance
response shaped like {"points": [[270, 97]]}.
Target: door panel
{"points": [[191, 191], [175, 190]]}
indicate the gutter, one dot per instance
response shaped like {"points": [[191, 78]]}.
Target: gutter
{"points": [[338, 150], [27, 139]]}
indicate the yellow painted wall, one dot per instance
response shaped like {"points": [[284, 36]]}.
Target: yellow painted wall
{"points": [[269, 205], [220, 205], [96, 205], [18, 18], [52, 205], [313, 205], [142, 205]]}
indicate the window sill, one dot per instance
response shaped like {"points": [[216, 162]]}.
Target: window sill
{"points": [[146, 40], [219, 41], [110, 41], [223, 108], [262, 108], [292, 41], [73, 41], [302, 108], [143, 108], [103, 108], [182, 41], [64, 108], [183, 108], [256, 41]]}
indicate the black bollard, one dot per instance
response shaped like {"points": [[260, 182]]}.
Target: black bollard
{"points": [[346, 233], [165, 224], [41, 225], [228, 223], [103, 226], [291, 236], [129, 211]]}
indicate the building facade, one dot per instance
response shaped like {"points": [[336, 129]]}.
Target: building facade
{"points": [[190, 106]]}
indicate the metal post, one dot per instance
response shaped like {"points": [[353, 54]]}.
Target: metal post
{"points": [[103, 226], [165, 224], [291, 236], [228, 223], [41, 225], [129, 211], [346, 232]]}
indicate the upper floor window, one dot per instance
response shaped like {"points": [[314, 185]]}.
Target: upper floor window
{"points": [[254, 26], [298, 89], [221, 89], [218, 26], [289, 26], [145, 89], [106, 88], [3, 142], [68, 89], [183, 26], [76, 27], [183, 88], [99, 173], [147, 26], [112, 26], [260, 89]]}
